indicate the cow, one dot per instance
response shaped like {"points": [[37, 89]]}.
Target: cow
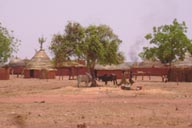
{"points": [[108, 77], [87, 78]]}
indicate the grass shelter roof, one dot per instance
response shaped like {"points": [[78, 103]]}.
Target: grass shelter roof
{"points": [[187, 62], [40, 61], [149, 64], [71, 63], [123, 66], [16, 62]]}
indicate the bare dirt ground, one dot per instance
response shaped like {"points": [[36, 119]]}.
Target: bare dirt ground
{"points": [[35, 103]]}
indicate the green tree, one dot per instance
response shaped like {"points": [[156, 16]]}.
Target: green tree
{"points": [[94, 44], [100, 47], [168, 43], [8, 44], [64, 46]]}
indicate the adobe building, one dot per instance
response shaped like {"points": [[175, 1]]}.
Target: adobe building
{"points": [[40, 66], [17, 66], [150, 68], [4, 73]]}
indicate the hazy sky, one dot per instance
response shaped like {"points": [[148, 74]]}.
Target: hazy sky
{"points": [[129, 19]]}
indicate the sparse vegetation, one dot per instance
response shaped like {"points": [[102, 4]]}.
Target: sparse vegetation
{"points": [[8, 44], [59, 103]]}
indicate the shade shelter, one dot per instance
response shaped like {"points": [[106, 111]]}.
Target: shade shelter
{"points": [[113, 69]]}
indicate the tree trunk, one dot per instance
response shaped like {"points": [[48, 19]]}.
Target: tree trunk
{"points": [[93, 82]]}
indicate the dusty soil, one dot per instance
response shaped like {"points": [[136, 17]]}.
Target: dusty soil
{"points": [[35, 103]]}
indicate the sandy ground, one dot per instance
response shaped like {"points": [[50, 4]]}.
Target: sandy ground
{"points": [[35, 103]]}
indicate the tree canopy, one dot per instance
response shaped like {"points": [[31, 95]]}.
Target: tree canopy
{"points": [[100, 46], [8, 44], [94, 44], [64, 46], [168, 43]]}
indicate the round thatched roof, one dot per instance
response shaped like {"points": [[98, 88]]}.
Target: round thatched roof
{"points": [[40, 61], [16, 62]]}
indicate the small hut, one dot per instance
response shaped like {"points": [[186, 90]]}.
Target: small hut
{"points": [[40, 66], [17, 66]]}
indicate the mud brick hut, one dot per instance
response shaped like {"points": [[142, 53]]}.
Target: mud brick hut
{"points": [[17, 66], [4, 73], [71, 69], [40, 66]]}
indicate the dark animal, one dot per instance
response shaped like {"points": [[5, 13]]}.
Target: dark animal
{"points": [[108, 77], [84, 78]]}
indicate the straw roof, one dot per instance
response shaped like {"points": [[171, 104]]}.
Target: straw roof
{"points": [[16, 62], [40, 61], [71, 64], [123, 66], [149, 63], [187, 62]]}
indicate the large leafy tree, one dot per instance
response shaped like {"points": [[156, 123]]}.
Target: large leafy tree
{"points": [[168, 43], [64, 45], [94, 44], [100, 46], [8, 44]]}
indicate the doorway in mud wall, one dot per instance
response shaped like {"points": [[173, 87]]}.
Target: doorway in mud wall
{"points": [[31, 73]]}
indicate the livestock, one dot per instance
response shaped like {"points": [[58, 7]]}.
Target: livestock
{"points": [[84, 78], [108, 77]]}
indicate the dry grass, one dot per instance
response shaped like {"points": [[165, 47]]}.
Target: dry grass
{"points": [[34, 103]]}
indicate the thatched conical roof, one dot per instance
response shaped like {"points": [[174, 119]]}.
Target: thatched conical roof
{"points": [[40, 61]]}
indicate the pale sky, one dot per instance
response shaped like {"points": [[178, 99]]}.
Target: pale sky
{"points": [[131, 20]]}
